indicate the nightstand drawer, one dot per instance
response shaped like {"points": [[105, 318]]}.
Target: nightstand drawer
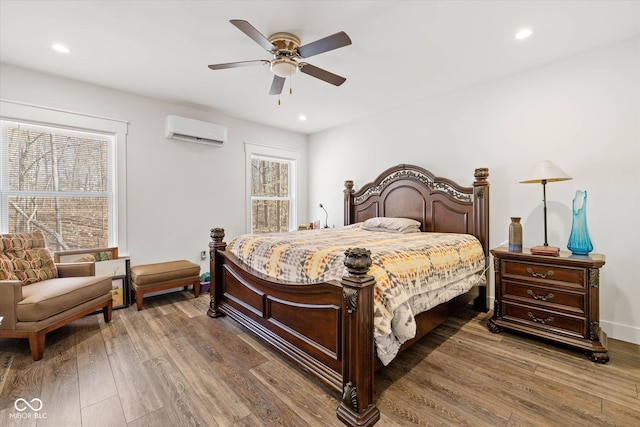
{"points": [[545, 319], [538, 272], [545, 297]]}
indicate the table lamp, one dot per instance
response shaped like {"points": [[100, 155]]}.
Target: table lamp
{"points": [[544, 172]]}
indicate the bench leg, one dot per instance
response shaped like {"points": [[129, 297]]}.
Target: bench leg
{"points": [[139, 300], [196, 288]]}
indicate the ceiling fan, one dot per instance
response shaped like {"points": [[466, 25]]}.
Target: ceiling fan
{"points": [[287, 52]]}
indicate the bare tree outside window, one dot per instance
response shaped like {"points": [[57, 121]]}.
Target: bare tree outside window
{"points": [[270, 195], [58, 182]]}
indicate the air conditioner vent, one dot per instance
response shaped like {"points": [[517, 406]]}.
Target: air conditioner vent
{"points": [[190, 130]]}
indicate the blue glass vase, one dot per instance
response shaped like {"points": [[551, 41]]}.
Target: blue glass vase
{"points": [[579, 241]]}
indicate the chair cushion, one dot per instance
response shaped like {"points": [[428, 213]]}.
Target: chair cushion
{"points": [[25, 257], [49, 297]]}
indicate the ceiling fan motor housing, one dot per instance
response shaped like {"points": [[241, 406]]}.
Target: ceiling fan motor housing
{"points": [[285, 43]]}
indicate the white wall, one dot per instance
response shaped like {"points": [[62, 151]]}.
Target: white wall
{"points": [[583, 113], [176, 191]]}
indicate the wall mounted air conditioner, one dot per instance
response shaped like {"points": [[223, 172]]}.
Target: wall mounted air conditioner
{"points": [[190, 130]]}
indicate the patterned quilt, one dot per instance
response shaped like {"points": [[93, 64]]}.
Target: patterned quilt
{"points": [[414, 272]]}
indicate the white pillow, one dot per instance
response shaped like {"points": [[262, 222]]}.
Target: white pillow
{"points": [[394, 225]]}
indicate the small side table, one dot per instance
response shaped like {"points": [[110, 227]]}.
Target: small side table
{"points": [[554, 298]]}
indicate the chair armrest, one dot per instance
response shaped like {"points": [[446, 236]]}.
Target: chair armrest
{"points": [[11, 291], [76, 269]]}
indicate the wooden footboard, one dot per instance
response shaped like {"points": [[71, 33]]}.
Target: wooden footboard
{"points": [[326, 328]]}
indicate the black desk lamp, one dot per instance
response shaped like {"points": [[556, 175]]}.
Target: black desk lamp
{"points": [[326, 216], [544, 172]]}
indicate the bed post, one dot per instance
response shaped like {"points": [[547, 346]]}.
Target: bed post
{"points": [[215, 269], [481, 227], [348, 205], [357, 407]]}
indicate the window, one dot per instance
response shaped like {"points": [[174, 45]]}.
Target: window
{"points": [[271, 177], [270, 196], [60, 180]]}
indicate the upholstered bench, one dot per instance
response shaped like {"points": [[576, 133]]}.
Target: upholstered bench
{"points": [[164, 275]]}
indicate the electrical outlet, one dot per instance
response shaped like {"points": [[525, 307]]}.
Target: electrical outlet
{"points": [[203, 255]]}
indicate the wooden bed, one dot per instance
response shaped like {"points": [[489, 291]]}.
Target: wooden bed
{"points": [[341, 353]]}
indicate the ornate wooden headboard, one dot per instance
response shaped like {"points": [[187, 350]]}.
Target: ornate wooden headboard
{"points": [[439, 204]]}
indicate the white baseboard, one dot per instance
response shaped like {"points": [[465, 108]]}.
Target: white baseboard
{"points": [[621, 332]]}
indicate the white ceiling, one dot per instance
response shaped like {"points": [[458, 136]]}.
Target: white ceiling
{"points": [[402, 52]]}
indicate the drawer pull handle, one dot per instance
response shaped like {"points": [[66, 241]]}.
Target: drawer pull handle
{"points": [[539, 319], [540, 275], [539, 297]]}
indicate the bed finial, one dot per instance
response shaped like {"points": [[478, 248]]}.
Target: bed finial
{"points": [[481, 174], [217, 234], [357, 260]]}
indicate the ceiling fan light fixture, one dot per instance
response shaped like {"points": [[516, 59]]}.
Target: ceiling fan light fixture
{"points": [[284, 67]]}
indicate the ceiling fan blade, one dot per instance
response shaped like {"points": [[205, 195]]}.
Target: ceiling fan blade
{"points": [[238, 64], [326, 44], [276, 85], [254, 34], [321, 74]]}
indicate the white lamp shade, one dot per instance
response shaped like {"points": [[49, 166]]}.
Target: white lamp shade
{"points": [[547, 171]]}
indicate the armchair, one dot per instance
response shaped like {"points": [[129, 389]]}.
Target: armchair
{"points": [[38, 296]]}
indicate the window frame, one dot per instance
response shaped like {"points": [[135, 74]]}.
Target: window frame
{"points": [[294, 158], [117, 129]]}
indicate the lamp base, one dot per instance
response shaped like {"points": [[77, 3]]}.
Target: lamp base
{"points": [[545, 250]]}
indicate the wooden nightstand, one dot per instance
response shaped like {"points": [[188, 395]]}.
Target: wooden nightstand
{"points": [[555, 298]]}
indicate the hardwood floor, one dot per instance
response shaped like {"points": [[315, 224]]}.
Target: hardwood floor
{"points": [[171, 365]]}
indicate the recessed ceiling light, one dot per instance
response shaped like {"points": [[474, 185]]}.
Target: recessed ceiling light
{"points": [[60, 48], [524, 33], [302, 117]]}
